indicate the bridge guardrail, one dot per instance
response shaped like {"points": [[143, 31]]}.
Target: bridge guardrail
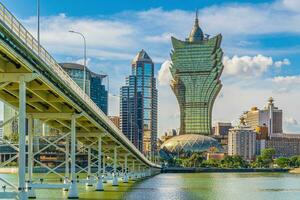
{"points": [[25, 36]]}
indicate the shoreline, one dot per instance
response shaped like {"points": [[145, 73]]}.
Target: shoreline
{"points": [[225, 170]]}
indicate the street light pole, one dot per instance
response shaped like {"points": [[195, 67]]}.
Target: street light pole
{"points": [[84, 58], [38, 25]]}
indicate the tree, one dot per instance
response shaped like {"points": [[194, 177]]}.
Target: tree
{"points": [[266, 157], [295, 161], [283, 162]]}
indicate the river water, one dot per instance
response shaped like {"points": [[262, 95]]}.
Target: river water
{"points": [[194, 186], [218, 186]]}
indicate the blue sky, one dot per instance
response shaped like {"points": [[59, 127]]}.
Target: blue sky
{"points": [[261, 44]]}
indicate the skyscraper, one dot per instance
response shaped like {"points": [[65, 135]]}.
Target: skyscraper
{"points": [[196, 69], [94, 83], [138, 104]]}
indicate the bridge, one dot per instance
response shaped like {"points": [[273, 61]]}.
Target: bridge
{"points": [[34, 84]]}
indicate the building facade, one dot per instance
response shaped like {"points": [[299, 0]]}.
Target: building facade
{"points": [[222, 128], [270, 116], [93, 85], [285, 145], [196, 69], [242, 141], [138, 104]]}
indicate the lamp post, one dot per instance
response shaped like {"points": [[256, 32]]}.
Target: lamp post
{"points": [[84, 58], [38, 25]]}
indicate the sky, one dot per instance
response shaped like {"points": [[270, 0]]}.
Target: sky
{"points": [[261, 45]]}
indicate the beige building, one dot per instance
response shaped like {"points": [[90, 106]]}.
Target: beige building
{"points": [[270, 116], [115, 120], [241, 141]]}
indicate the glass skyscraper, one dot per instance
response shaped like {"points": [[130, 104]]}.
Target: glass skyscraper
{"points": [[196, 69], [94, 83], [138, 104]]}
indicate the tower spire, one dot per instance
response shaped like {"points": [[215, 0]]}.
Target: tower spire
{"points": [[196, 34]]}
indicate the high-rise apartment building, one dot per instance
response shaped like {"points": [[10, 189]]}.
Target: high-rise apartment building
{"points": [[138, 104], [241, 141], [94, 83], [196, 69], [270, 116]]}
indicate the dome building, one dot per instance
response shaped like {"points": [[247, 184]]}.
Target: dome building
{"points": [[187, 144]]}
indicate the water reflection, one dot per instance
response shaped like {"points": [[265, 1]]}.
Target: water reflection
{"points": [[218, 186]]}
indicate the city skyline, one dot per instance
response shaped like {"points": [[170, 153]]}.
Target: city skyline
{"points": [[271, 51]]}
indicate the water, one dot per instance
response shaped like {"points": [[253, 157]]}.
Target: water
{"points": [[218, 186], [196, 186]]}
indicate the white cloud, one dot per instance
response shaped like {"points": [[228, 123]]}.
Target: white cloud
{"points": [[165, 38], [281, 63], [81, 61], [291, 120], [246, 66], [164, 74], [292, 5], [250, 67], [286, 80]]}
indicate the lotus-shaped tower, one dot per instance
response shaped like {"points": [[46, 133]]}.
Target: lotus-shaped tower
{"points": [[196, 69]]}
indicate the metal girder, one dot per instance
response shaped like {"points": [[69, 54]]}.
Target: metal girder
{"points": [[4, 84], [50, 116], [16, 77], [37, 106], [33, 85]]}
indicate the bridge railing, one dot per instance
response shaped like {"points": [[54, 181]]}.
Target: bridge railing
{"points": [[25, 36]]}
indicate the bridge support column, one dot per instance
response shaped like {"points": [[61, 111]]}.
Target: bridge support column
{"points": [[89, 177], [139, 172], [133, 173], [67, 146], [99, 186], [22, 140], [125, 179], [104, 170], [73, 191], [115, 177], [30, 190]]}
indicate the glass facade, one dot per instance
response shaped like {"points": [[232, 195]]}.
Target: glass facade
{"points": [[138, 105], [196, 69], [94, 83]]}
